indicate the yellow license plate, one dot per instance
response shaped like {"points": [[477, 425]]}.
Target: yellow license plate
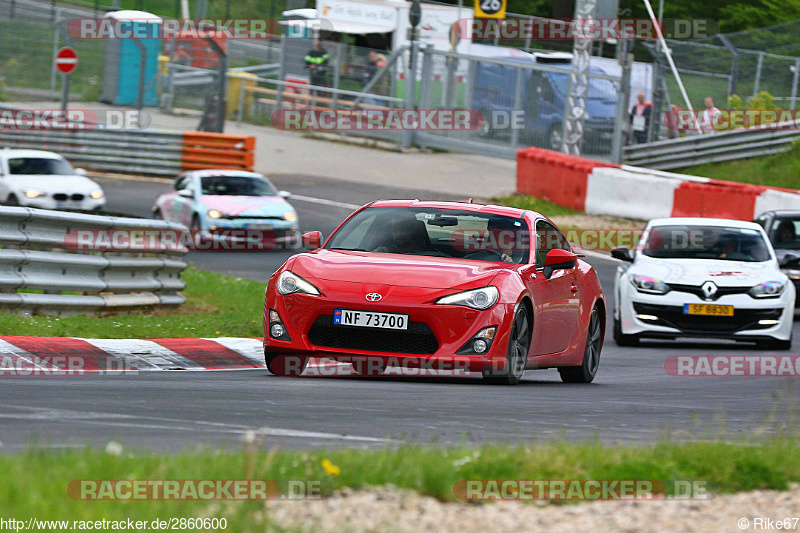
{"points": [[708, 309]]}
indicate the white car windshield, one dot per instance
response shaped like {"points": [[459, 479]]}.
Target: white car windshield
{"points": [[39, 166], [236, 186], [706, 242]]}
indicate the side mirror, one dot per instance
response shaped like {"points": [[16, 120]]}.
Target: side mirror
{"points": [[284, 194], [186, 193], [559, 260], [312, 240], [789, 260], [623, 254], [80, 171]]}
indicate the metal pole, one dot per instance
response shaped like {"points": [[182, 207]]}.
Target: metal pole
{"points": [[222, 82], [758, 73], [734, 63], [793, 101], [64, 92], [281, 72], [142, 64], [617, 143], [337, 67], [517, 105], [241, 101], [53, 64], [411, 86]]}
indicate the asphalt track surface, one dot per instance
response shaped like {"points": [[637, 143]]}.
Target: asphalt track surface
{"points": [[632, 400]]}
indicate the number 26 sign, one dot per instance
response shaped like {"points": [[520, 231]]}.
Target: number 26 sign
{"points": [[490, 9]]}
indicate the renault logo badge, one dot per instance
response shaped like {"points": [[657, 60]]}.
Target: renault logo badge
{"points": [[709, 289]]}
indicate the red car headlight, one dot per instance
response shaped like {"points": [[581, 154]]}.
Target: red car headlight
{"points": [[480, 299]]}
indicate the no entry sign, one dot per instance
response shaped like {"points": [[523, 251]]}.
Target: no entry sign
{"points": [[66, 60]]}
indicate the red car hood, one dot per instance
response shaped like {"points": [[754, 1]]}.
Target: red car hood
{"points": [[394, 269]]}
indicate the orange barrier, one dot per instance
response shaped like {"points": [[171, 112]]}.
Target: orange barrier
{"points": [[716, 200], [203, 150], [558, 177]]}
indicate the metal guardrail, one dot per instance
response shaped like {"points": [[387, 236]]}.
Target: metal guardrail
{"points": [[711, 148], [40, 251], [143, 151]]}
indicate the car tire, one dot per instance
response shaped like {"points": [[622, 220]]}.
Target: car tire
{"points": [[369, 368], [285, 365], [12, 200], [587, 370], [519, 342], [621, 339]]}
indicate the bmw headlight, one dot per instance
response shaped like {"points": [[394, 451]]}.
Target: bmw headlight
{"points": [[649, 285], [33, 193], [289, 282], [96, 195], [477, 299], [768, 289]]}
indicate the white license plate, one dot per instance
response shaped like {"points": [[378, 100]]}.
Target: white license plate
{"points": [[258, 226], [369, 319]]}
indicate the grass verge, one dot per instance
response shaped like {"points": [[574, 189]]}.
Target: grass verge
{"points": [[777, 170], [216, 306], [34, 483]]}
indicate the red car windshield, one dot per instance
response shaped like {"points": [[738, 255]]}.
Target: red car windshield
{"points": [[435, 232]]}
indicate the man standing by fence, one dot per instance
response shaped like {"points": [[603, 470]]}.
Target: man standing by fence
{"points": [[709, 116], [317, 64], [640, 118]]}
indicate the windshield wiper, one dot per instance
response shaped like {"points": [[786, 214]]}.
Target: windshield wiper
{"points": [[348, 249]]}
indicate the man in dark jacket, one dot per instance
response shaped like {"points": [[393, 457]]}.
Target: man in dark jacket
{"points": [[640, 118], [317, 64]]}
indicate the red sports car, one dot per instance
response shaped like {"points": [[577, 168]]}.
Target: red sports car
{"points": [[438, 285]]}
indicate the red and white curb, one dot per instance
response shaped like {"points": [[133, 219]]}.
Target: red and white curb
{"points": [[71, 353]]}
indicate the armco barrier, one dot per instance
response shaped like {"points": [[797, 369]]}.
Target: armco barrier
{"points": [[139, 151], [558, 177], [604, 189], [721, 146], [35, 254]]}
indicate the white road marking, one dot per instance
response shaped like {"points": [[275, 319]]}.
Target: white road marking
{"points": [[323, 201]]}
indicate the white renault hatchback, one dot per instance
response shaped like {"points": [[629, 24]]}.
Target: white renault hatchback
{"points": [[702, 277], [35, 178]]}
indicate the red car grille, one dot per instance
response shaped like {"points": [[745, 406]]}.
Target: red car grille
{"points": [[417, 339]]}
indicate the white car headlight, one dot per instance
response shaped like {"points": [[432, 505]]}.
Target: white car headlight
{"points": [[290, 216], [33, 193], [213, 213], [477, 299], [96, 195], [649, 285], [289, 282], [768, 289]]}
